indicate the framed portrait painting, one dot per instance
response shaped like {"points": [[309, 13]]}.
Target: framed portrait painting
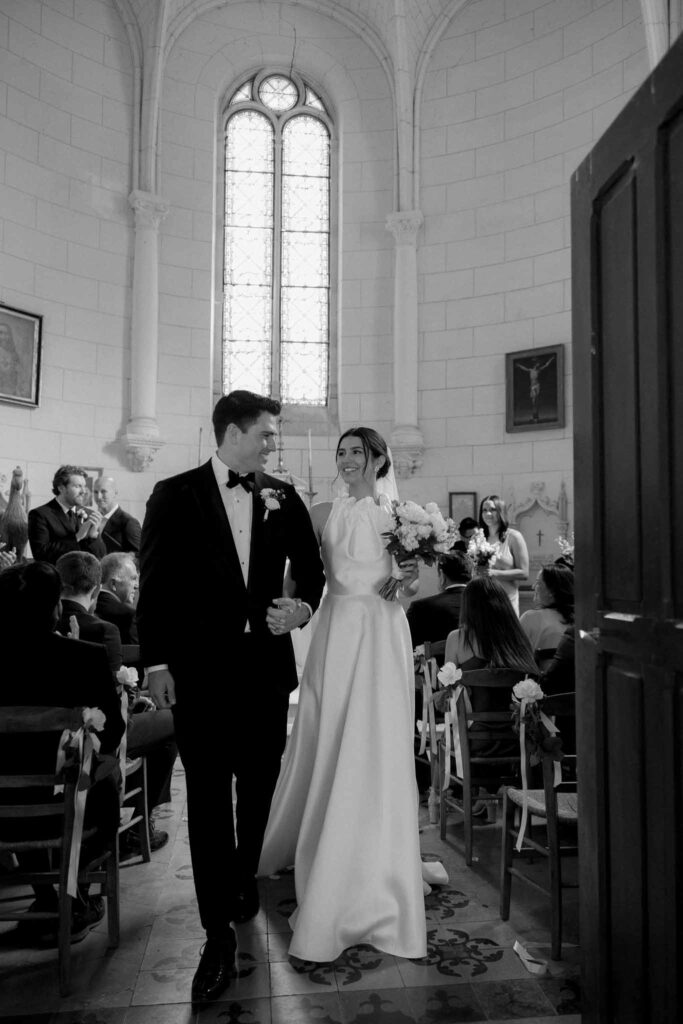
{"points": [[534, 389], [462, 504], [20, 342]]}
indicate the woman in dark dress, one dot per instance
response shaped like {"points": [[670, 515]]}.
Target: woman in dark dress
{"points": [[491, 637]]}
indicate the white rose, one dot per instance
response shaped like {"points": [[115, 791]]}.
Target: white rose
{"points": [[94, 718], [528, 688], [127, 675], [272, 503], [449, 674]]}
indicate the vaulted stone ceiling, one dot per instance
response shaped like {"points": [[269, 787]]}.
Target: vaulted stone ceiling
{"points": [[403, 26]]}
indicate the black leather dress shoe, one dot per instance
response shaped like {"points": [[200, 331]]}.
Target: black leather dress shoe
{"points": [[216, 968], [247, 904]]}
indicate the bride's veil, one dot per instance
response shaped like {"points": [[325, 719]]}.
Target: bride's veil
{"points": [[387, 484]]}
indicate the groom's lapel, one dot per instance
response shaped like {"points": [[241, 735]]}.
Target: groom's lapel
{"points": [[217, 522]]}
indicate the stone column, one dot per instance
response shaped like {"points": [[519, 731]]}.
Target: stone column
{"points": [[407, 444], [141, 437]]}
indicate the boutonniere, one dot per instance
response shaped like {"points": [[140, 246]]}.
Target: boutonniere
{"points": [[271, 498]]}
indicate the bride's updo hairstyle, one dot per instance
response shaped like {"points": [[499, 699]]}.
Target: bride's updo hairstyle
{"points": [[373, 444]]}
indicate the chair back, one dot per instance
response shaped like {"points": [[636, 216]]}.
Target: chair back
{"points": [[130, 654], [41, 802], [485, 721], [543, 656], [435, 650]]}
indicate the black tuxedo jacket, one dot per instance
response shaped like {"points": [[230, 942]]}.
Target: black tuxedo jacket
{"points": [[121, 532], [194, 604], [121, 614], [433, 618], [92, 629], [51, 533]]}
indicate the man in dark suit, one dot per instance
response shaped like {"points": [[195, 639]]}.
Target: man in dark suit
{"points": [[150, 731], [222, 658], [118, 594], [40, 667], [119, 530], [65, 523], [80, 575], [433, 618]]}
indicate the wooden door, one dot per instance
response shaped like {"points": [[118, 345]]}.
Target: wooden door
{"points": [[627, 241]]}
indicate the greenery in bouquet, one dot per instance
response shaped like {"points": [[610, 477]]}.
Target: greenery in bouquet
{"points": [[416, 532], [480, 550], [539, 735]]}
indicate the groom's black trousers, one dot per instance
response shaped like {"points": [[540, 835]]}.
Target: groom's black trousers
{"points": [[231, 726]]}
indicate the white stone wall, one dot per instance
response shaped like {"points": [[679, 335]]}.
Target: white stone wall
{"points": [[516, 94], [207, 60], [65, 229]]}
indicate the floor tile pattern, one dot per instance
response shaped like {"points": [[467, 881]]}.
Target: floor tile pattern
{"points": [[470, 972]]}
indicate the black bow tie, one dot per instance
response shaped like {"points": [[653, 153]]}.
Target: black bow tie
{"points": [[234, 479]]}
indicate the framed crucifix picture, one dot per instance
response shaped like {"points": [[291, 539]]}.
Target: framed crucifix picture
{"points": [[534, 389], [20, 342]]}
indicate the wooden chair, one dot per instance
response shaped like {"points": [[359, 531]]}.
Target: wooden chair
{"points": [[558, 807], [543, 656], [130, 654], [48, 820], [468, 769], [431, 727], [134, 808]]}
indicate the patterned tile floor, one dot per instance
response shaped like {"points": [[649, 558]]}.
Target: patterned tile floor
{"points": [[470, 974]]}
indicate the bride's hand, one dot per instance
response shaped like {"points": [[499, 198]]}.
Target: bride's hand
{"points": [[285, 614]]}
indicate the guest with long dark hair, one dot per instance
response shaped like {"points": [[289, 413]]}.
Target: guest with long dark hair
{"points": [[510, 566], [546, 623], [490, 636]]}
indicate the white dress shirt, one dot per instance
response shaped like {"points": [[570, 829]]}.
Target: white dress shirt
{"points": [[238, 506]]}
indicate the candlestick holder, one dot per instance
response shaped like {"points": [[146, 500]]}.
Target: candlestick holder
{"points": [[311, 495]]}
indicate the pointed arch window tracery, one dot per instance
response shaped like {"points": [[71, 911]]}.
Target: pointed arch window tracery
{"points": [[276, 252]]}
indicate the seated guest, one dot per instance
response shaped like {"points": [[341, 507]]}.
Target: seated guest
{"points": [[149, 732], [65, 523], [119, 530], [553, 610], [433, 618], [118, 593], [81, 575], [40, 667], [559, 676], [466, 528], [490, 636]]}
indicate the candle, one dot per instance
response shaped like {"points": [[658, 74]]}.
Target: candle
{"points": [[310, 463]]}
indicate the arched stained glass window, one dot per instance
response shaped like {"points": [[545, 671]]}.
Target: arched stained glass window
{"points": [[276, 277]]}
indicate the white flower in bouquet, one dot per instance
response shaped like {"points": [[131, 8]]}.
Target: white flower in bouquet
{"points": [[480, 550], [416, 532], [529, 689]]}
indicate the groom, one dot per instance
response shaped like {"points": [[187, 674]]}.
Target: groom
{"points": [[221, 657]]}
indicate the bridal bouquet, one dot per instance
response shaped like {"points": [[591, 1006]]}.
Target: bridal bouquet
{"points": [[481, 552], [416, 532]]}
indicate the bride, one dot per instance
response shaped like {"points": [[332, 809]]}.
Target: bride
{"points": [[345, 809]]}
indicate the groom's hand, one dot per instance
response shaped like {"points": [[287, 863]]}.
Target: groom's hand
{"points": [[162, 688], [286, 614]]}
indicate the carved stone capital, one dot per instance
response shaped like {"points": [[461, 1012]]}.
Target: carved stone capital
{"points": [[404, 226], [142, 442], [150, 209], [407, 450]]}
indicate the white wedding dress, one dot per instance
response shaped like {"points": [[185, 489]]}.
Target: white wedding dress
{"points": [[345, 810]]}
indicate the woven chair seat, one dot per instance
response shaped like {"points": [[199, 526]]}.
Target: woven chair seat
{"points": [[567, 803]]}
